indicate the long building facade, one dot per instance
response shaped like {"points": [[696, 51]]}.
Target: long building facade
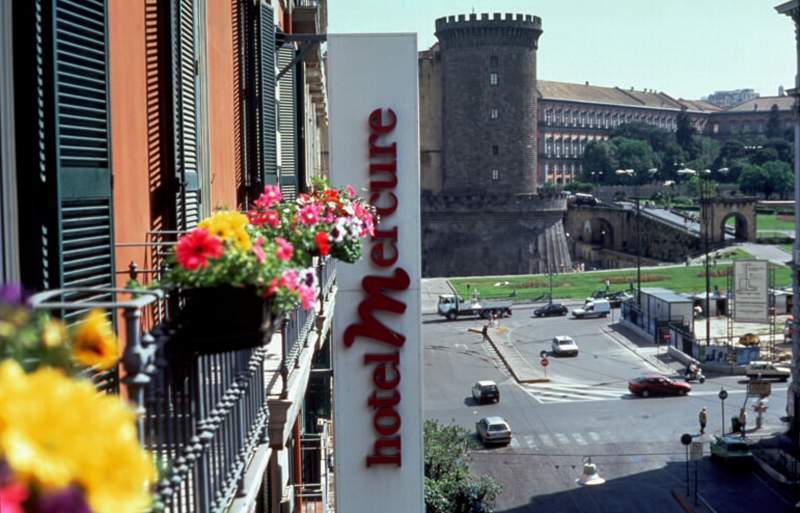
{"points": [[122, 124], [568, 117]]}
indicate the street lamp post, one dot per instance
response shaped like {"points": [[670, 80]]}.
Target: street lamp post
{"points": [[630, 172], [792, 9]]}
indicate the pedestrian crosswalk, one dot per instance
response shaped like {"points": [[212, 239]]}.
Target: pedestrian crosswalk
{"points": [[549, 441], [546, 393]]}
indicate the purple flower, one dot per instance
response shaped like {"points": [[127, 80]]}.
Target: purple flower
{"points": [[68, 500], [12, 294]]}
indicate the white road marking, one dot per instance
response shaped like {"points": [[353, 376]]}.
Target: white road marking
{"points": [[530, 441], [578, 438], [594, 436], [514, 443], [546, 440], [572, 392], [562, 438]]}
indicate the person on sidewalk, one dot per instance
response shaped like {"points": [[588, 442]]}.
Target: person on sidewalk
{"points": [[703, 418], [743, 421]]}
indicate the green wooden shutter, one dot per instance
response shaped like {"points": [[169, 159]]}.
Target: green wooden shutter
{"points": [[185, 112], [74, 142], [269, 162], [287, 114]]}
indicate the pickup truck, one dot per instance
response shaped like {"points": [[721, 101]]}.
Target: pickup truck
{"points": [[453, 306]]}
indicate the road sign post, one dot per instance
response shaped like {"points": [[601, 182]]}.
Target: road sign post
{"points": [[686, 439], [545, 362], [696, 454], [723, 394]]}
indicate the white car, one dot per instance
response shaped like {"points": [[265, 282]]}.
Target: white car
{"points": [[493, 430], [563, 345], [767, 370]]}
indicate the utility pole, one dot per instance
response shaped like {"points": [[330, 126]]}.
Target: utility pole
{"points": [[792, 9], [638, 253], [706, 222]]}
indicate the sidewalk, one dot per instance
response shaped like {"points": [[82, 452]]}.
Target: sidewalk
{"points": [[643, 348], [521, 369]]}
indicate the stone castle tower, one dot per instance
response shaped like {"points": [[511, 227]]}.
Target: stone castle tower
{"points": [[488, 71], [481, 213]]}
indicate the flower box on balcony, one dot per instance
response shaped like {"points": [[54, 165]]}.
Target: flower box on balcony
{"points": [[224, 318]]}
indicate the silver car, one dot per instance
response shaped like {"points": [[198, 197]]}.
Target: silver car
{"points": [[563, 345], [493, 430]]}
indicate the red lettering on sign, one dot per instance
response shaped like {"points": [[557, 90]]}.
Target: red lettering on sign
{"points": [[384, 253]]}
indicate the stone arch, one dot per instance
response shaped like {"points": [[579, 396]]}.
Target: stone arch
{"points": [[598, 232], [740, 231]]}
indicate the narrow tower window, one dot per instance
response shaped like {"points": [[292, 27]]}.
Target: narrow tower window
{"points": [[495, 174], [493, 113], [493, 78]]}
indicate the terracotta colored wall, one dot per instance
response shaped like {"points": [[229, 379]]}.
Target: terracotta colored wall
{"points": [[129, 126], [139, 96], [223, 104]]}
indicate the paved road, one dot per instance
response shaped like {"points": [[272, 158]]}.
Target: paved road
{"points": [[585, 411]]}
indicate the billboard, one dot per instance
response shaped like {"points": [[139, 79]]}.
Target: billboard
{"points": [[377, 344], [751, 291]]}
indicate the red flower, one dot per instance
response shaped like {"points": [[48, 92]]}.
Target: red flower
{"points": [[196, 247], [12, 497], [323, 243]]}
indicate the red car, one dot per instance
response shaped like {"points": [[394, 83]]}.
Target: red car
{"points": [[658, 385]]}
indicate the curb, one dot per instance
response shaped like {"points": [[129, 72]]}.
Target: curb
{"points": [[624, 343], [505, 362], [772, 473], [687, 504]]}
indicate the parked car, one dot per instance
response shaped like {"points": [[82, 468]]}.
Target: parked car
{"points": [[749, 339], [615, 299], [563, 345], [493, 430], [485, 390], [550, 310], [655, 384], [732, 450], [593, 308], [767, 370]]}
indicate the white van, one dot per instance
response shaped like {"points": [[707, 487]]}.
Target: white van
{"points": [[593, 308]]}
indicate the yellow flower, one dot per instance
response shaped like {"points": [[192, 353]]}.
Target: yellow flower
{"points": [[55, 431], [218, 226], [228, 226], [243, 239], [54, 333], [94, 343]]}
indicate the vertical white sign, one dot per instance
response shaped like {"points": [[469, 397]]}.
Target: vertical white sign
{"points": [[377, 345], [751, 291]]}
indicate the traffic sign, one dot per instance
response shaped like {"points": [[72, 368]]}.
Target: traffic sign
{"points": [[545, 362], [723, 394], [759, 388], [686, 439]]}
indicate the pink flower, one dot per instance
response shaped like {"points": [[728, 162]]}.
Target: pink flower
{"points": [[308, 296], [258, 249], [290, 279], [285, 249], [351, 190], [270, 196], [196, 247], [309, 215], [274, 285]]}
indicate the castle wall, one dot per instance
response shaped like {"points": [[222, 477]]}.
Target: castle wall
{"points": [[493, 235]]}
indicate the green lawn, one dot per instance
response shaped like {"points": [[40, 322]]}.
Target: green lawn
{"points": [[768, 223], [786, 247], [581, 285]]}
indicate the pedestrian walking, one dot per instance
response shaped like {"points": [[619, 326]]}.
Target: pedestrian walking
{"points": [[743, 420], [703, 418]]}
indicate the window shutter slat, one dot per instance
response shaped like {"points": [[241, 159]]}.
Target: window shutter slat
{"points": [[82, 139], [185, 97], [287, 122], [269, 163]]}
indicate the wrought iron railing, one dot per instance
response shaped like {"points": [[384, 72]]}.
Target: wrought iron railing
{"points": [[200, 415]]}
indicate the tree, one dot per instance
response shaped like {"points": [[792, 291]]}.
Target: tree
{"points": [[774, 123], [779, 178], [684, 134], [449, 485], [634, 154], [783, 148], [752, 179], [764, 155], [598, 157]]}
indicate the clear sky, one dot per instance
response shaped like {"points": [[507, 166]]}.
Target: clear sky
{"points": [[686, 48]]}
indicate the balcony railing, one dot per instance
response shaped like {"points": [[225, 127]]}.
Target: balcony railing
{"points": [[200, 415]]}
